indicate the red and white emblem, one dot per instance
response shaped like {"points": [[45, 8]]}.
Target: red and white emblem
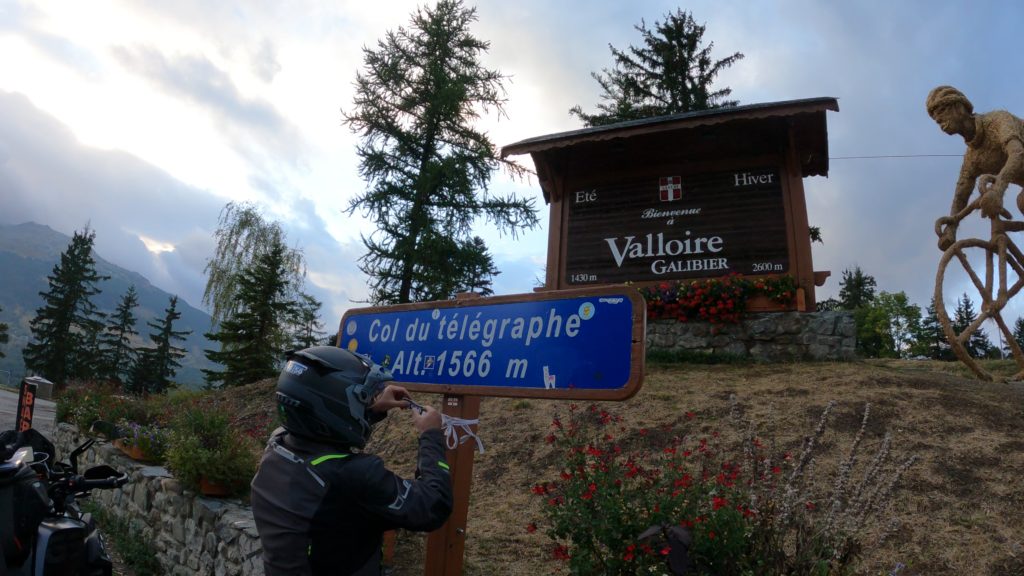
{"points": [[671, 188]]}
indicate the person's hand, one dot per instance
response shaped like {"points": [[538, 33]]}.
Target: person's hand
{"points": [[946, 228], [393, 396], [428, 419], [992, 196]]}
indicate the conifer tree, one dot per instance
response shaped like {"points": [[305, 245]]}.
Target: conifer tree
{"points": [[253, 339], [118, 353], [931, 339], [307, 330], [978, 345], [4, 336], [1018, 334], [857, 289], [59, 347], [427, 167], [670, 73], [156, 366]]}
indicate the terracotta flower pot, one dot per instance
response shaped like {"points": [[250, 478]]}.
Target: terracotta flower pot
{"points": [[213, 488], [132, 451]]}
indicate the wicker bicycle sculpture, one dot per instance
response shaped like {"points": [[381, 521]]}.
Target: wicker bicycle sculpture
{"points": [[994, 159]]}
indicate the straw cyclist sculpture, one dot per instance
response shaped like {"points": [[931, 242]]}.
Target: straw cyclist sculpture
{"points": [[994, 159]]}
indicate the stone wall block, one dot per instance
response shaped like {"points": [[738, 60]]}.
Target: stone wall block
{"points": [[783, 336]]}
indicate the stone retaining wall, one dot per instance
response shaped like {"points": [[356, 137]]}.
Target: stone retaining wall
{"points": [[190, 534], [768, 337]]}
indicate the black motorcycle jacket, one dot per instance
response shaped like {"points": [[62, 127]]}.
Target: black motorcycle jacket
{"points": [[320, 510]]}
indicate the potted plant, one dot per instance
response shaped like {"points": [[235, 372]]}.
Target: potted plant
{"points": [[145, 443], [207, 455]]}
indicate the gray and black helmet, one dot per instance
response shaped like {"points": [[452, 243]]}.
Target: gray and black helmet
{"points": [[324, 394]]}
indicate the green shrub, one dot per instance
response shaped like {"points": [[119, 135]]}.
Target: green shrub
{"points": [[204, 445], [82, 404], [136, 551]]}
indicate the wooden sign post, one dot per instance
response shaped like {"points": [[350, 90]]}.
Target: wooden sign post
{"points": [[573, 344]]}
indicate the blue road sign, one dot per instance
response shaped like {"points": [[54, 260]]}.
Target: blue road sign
{"points": [[580, 343]]}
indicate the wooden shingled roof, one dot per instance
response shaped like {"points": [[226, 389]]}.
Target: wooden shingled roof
{"points": [[800, 122]]}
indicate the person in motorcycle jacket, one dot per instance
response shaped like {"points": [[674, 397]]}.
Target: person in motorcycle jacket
{"points": [[320, 505]]}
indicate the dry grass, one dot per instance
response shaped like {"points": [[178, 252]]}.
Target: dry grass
{"points": [[961, 506]]}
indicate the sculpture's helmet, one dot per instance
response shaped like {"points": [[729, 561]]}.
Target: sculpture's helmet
{"points": [[944, 96], [324, 394]]}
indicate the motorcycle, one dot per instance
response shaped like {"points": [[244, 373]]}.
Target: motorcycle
{"points": [[43, 531]]}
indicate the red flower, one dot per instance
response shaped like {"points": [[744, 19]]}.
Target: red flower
{"points": [[531, 527], [550, 439], [560, 553], [718, 502], [711, 534], [810, 505], [539, 489], [690, 415], [666, 550]]}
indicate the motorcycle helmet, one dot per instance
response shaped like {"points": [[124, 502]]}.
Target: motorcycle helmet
{"points": [[324, 394]]}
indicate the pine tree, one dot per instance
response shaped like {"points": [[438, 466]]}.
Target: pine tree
{"points": [[118, 353], [308, 330], [856, 289], [931, 339], [671, 73], [156, 366], [87, 363], [1018, 335], [829, 305], [253, 339], [978, 345], [426, 166], [4, 336], [451, 267], [60, 330]]}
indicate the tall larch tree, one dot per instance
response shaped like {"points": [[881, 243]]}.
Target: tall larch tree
{"points": [[672, 72], [59, 346], [427, 168]]}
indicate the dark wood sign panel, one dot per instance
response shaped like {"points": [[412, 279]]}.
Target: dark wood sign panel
{"points": [[677, 226]]}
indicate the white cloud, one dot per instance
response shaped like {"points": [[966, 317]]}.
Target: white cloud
{"points": [[159, 112]]}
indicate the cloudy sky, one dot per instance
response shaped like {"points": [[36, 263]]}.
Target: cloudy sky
{"points": [[144, 118]]}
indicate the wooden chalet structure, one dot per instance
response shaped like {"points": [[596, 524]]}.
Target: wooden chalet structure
{"points": [[693, 195]]}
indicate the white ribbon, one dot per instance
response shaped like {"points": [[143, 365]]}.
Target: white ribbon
{"points": [[452, 426]]}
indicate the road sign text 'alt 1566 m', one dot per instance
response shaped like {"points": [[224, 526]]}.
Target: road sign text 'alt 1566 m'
{"points": [[585, 344]]}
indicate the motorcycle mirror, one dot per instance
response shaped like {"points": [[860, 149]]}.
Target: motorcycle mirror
{"points": [[101, 472]]}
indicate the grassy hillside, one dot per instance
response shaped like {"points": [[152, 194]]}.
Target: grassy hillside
{"points": [[961, 507]]}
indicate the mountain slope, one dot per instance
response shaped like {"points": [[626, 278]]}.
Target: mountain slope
{"points": [[28, 254]]}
